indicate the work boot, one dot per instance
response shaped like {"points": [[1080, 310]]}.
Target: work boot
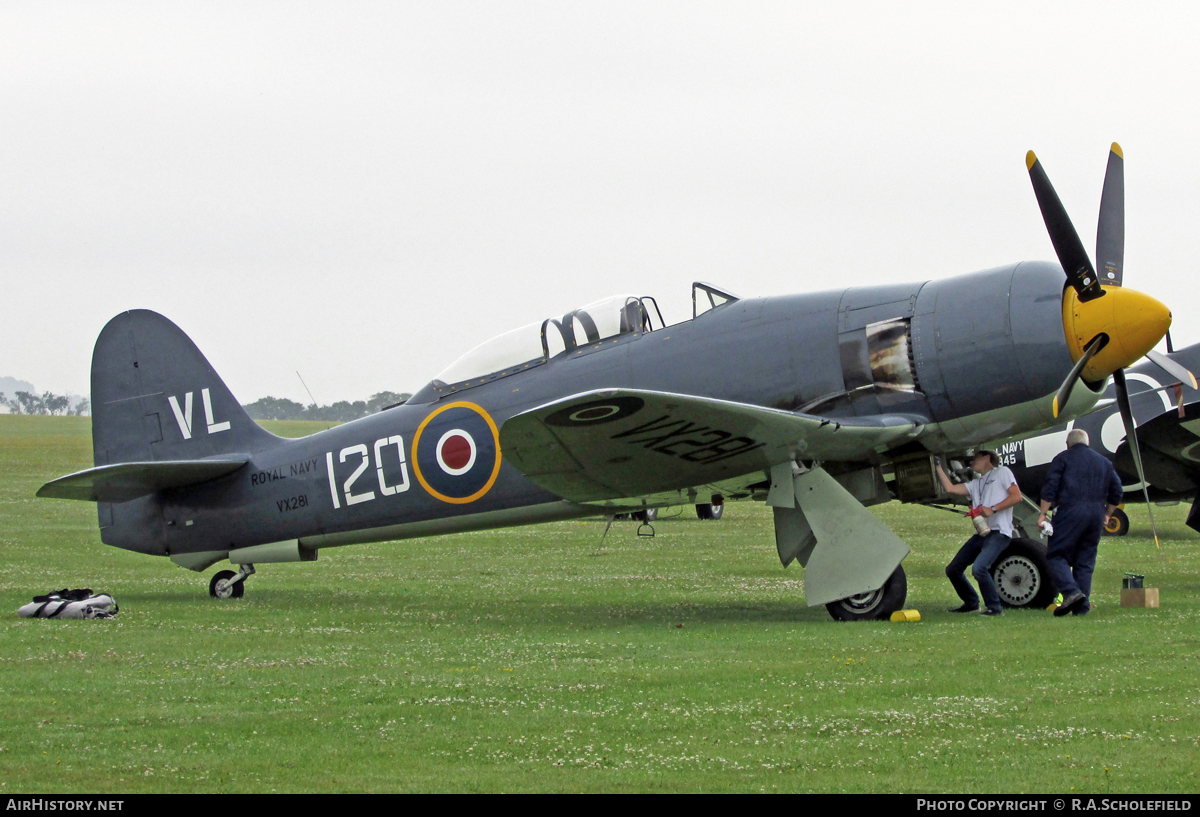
{"points": [[966, 608], [1070, 603]]}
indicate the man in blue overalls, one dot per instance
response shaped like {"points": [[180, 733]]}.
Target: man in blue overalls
{"points": [[1086, 490], [994, 494]]}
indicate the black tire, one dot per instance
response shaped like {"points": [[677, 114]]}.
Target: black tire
{"points": [[233, 591], [710, 511], [648, 515], [1118, 524], [1022, 575], [876, 605]]}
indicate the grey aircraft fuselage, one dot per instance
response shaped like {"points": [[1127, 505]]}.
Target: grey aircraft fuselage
{"points": [[973, 358]]}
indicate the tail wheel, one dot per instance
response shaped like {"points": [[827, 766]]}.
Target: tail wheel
{"points": [[876, 604], [222, 588], [1022, 575], [1118, 524]]}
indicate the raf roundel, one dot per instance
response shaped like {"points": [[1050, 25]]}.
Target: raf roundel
{"points": [[456, 453], [596, 412]]}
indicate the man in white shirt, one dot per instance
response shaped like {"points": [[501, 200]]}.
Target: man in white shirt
{"points": [[994, 494]]}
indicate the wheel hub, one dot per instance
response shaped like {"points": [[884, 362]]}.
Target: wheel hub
{"points": [[1017, 580], [863, 602]]}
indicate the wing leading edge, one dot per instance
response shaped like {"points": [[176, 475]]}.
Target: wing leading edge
{"points": [[614, 443]]}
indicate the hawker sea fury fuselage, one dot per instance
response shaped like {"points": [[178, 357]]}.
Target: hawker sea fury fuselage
{"points": [[819, 404]]}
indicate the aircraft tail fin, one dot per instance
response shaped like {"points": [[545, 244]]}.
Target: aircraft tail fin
{"points": [[156, 398]]}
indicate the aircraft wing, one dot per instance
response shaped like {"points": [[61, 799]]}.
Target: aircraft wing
{"points": [[129, 480], [614, 443], [1170, 447]]}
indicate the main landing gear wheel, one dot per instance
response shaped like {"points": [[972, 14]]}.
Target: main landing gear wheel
{"points": [[1118, 524], [710, 511], [875, 604], [1022, 575], [648, 515]]}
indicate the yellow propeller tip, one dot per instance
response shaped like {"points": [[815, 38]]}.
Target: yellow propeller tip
{"points": [[1117, 150], [1030, 160], [1054, 407]]}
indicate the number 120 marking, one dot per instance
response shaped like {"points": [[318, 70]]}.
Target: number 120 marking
{"points": [[360, 450]]}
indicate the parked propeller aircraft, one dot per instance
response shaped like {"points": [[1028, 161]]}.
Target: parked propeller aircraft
{"points": [[822, 404], [1169, 441]]}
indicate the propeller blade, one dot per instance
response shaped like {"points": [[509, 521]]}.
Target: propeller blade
{"points": [[1064, 391], [1110, 232], [1131, 437], [1067, 245], [1172, 368]]}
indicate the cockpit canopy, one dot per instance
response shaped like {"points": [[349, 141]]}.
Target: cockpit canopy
{"points": [[576, 332], [536, 343]]}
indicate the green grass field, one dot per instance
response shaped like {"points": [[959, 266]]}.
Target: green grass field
{"points": [[540, 659]]}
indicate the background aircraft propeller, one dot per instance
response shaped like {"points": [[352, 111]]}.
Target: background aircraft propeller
{"points": [[1131, 435], [1172, 368], [1107, 326]]}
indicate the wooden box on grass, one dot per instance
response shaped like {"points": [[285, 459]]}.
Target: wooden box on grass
{"points": [[1139, 596]]}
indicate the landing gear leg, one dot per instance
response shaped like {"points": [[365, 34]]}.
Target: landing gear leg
{"points": [[230, 585]]}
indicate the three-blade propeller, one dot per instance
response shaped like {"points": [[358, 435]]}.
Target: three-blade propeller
{"points": [[1108, 327]]}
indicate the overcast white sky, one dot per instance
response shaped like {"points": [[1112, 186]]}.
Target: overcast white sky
{"points": [[363, 191]]}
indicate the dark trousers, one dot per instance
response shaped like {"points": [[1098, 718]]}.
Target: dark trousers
{"points": [[980, 552], [1072, 549]]}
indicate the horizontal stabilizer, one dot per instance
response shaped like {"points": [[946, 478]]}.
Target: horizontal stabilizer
{"points": [[129, 480], [613, 443]]}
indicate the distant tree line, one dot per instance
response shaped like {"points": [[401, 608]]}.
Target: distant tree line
{"points": [[49, 403], [268, 408], [280, 408]]}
